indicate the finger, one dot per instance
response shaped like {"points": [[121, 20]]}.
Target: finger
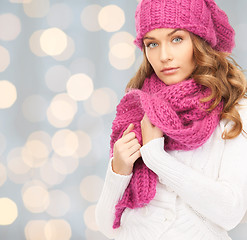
{"points": [[128, 137], [134, 149], [132, 143], [135, 156], [129, 128]]}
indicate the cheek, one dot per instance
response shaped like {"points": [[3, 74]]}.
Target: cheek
{"points": [[192, 60], [188, 56]]}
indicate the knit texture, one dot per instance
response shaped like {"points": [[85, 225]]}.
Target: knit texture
{"points": [[178, 112], [201, 17]]}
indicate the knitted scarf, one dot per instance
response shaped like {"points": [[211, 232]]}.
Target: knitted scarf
{"points": [[178, 112]]}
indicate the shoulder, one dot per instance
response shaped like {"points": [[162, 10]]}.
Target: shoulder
{"points": [[243, 103], [242, 110]]}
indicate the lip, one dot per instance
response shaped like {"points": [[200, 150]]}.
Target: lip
{"points": [[169, 71]]}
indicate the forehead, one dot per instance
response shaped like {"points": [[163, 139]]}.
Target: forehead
{"points": [[164, 32]]}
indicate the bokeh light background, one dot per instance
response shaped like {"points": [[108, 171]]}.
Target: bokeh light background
{"points": [[64, 66]]}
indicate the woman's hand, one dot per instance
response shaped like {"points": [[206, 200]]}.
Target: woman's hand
{"points": [[149, 131], [126, 151]]}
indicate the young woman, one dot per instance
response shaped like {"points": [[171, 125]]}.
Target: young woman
{"points": [[178, 167]]}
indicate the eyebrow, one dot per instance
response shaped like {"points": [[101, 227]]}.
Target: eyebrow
{"points": [[169, 34]]}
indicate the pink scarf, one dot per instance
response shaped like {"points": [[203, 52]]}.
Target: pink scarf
{"points": [[178, 112]]}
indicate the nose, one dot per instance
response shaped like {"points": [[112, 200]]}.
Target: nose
{"points": [[165, 53]]}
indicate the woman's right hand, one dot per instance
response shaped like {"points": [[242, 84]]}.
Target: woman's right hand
{"points": [[126, 151]]}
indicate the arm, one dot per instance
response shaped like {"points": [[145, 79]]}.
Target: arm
{"points": [[126, 151], [113, 190], [224, 201]]}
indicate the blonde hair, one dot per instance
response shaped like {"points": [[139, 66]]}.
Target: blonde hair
{"points": [[215, 70]]}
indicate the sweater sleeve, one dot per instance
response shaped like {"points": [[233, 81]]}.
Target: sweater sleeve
{"points": [[222, 201], [113, 190]]}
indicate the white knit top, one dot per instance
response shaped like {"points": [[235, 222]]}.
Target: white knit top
{"points": [[201, 194]]}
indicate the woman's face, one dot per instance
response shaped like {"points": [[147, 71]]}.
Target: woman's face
{"points": [[170, 53]]}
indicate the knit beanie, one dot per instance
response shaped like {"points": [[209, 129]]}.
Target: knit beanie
{"points": [[201, 17]]}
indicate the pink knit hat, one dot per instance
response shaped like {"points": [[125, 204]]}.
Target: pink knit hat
{"points": [[201, 17]]}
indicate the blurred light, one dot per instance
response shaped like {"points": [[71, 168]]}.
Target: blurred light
{"points": [[8, 94], [32, 183], [91, 187], [57, 122], [83, 65], [63, 107], [43, 137], [60, 16], [8, 211], [68, 51], [89, 218], [84, 144], [65, 165], [34, 108], [34, 43], [37, 149], [16, 163], [35, 230], [3, 174], [61, 110], [111, 18], [80, 87], [3, 143], [53, 41], [65, 142], [36, 199], [50, 176], [122, 37], [89, 18], [10, 26], [103, 101], [56, 78], [121, 63], [59, 203], [122, 50], [58, 229], [4, 58], [35, 153], [36, 8]]}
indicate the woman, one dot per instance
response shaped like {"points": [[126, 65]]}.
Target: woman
{"points": [[178, 164]]}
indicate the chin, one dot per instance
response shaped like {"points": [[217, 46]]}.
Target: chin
{"points": [[171, 81]]}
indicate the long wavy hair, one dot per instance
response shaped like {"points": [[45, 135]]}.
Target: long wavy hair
{"points": [[215, 70]]}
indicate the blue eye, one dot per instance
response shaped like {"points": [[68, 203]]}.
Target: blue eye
{"points": [[177, 40], [152, 45]]}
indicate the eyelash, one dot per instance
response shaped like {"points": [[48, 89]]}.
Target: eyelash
{"points": [[148, 45], [180, 38]]}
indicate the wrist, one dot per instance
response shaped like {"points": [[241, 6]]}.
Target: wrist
{"points": [[121, 169]]}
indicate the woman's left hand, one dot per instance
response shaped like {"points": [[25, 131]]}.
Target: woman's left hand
{"points": [[149, 131]]}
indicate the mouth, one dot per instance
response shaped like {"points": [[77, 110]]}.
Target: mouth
{"points": [[169, 71]]}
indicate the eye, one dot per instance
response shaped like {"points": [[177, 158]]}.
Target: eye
{"points": [[152, 45], [177, 40]]}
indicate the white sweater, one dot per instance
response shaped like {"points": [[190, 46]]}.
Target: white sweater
{"points": [[201, 194]]}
